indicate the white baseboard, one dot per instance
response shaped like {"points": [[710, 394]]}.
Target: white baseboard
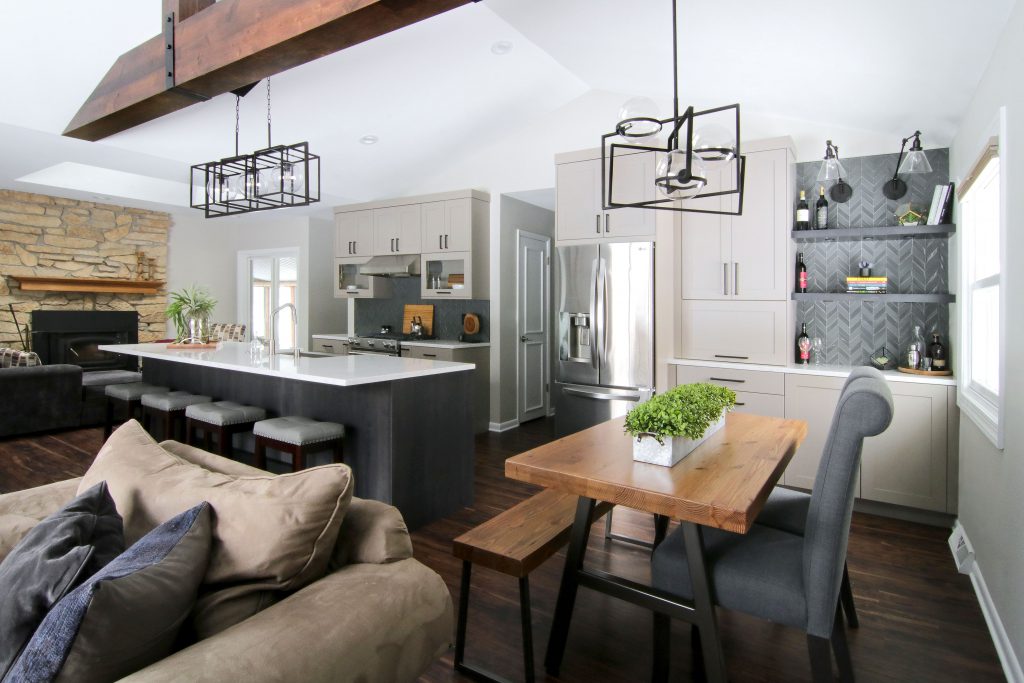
{"points": [[502, 426], [1004, 648]]}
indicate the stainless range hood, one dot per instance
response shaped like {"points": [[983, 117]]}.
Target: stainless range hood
{"points": [[406, 265]]}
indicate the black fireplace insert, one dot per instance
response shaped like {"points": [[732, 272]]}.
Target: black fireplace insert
{"points": [[74, 337]]}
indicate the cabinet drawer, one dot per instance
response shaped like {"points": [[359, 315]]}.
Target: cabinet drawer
{"points": [[740, 331], [335, 346], [771, 405], [427, 352], [738, 380]]}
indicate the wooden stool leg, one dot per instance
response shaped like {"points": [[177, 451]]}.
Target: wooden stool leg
{"points": [[224, 441], [260, 454], [460, 627], [189, 426], [298, 458], [338, 455], [168, 425], [147, 418], [108, 424], [524, 609], [207, 434]]}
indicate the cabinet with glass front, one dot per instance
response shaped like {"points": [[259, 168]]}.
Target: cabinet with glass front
{"points": [[447, 275], [350, 284]]}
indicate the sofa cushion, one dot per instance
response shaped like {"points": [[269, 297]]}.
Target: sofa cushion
{"points": [[127, 616], [15, 358], [56, 556], [21, 510], [277, 531]]}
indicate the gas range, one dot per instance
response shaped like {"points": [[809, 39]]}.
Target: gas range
{"points": [[388, 343]]}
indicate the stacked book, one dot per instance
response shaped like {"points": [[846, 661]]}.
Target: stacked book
{"points": [[867, 285]]}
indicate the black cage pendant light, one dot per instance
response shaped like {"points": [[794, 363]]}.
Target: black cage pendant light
{"points": [[273, 178], [699, 142]]}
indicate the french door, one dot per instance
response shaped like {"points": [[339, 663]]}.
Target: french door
{"points": [[272, 281]]}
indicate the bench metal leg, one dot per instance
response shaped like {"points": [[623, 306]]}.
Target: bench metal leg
{"points": [[570, 585], [524, 609]]}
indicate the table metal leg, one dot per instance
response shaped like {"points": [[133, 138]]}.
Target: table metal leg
{"points": [[660, 529], [704, 606], [570, 583]]}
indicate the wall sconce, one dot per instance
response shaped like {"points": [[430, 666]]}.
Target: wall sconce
{"points": [[832, 169], [914, 162]]}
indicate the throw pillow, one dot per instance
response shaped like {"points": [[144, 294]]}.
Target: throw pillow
{"points": [[274, 530], [127, 616], [56, 556]]}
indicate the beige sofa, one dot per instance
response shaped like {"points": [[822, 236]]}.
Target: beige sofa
{"points": [[378, 615]]}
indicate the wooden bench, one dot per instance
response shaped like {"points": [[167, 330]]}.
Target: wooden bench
{"points": [[515, 542]]}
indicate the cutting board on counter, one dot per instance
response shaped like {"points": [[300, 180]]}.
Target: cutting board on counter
{"points": [[425, 313]]}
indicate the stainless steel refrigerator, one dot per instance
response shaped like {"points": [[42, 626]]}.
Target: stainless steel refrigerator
{"points": [[605, 322]]}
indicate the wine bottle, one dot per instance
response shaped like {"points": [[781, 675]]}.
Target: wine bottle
{"points": [[801, 273], [937, 352], [803, 212], [821, 210], [803, 346]]}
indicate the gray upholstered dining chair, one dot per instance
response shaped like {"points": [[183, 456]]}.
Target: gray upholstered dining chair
{"points": [[783, 577], [786, 509]]}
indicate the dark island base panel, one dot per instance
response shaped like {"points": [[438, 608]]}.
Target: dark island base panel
{"points": [[409, 442]]}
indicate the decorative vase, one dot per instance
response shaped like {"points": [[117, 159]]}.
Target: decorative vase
{"points": [[672, 449], [198, 329], [865, 272]]}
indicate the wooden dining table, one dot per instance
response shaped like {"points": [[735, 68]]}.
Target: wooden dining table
{"points": [[722, 484]]}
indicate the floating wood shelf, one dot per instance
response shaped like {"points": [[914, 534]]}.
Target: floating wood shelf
{"points": [[894, 232], [884, 298], [82, 284]]}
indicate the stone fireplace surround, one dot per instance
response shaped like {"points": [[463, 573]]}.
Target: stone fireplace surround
{"points": [[47, 236]]}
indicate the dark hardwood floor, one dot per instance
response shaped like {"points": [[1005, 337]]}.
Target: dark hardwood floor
{"points": [[920, 620]]}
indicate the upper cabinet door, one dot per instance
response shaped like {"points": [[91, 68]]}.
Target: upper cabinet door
{"points": [[705, 250], [578, 201], [353, 234], [398, 230], [434, 226], [634, 182], [760, 237], [459, 225]]}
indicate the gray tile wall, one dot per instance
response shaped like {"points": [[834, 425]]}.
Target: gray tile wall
{"points": [[854, 330], [372, 313]]}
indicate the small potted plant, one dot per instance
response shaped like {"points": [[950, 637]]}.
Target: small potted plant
{"points": [[667, 427], [190, 310], [865, 268]]}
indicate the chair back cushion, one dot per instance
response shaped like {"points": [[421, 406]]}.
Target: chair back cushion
{"points": [[864, 409], [15, 358], [227, 331]]}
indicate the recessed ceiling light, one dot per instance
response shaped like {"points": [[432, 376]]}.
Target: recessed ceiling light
{"points": [[369, 139], [502, 47]]}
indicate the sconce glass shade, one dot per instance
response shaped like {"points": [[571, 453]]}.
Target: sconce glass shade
{"points": [[915, 161], [830, 169], [715, 145], [638, 120]]}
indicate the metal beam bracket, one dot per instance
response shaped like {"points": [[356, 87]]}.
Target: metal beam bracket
{"points": [[169, 82]]}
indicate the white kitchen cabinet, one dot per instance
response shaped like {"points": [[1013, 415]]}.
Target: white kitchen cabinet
{"points": [[349, 283], [447, 225], [734, 331], [579, 211], [906, 464], [353, 234], [757, 392], [454, 272], [812, 398], [397, 230], [772, 405], [741, 257]]}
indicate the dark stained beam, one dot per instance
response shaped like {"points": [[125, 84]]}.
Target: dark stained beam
{"points": [[233, 43], [183, 9]]}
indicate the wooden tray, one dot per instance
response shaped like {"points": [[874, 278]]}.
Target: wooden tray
{"points": [[927, 373], [193, 347], [424, 311]]}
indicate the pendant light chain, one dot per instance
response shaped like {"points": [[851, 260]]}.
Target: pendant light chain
{"points": [[268, 113], [238, 102]]}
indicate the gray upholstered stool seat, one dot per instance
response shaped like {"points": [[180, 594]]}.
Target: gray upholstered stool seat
{"points": [[102, 378], [130, 395], [172, 405], [223, 418], [222, 413], [298, 436]]}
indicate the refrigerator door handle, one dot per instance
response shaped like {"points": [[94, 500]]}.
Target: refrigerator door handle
{"points": [[605, 313], [595, 352], [600, 396]]}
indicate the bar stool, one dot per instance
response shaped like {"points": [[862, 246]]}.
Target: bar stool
{"points": [[225, 418], [172, 405], [298, 436], [128, 394]]}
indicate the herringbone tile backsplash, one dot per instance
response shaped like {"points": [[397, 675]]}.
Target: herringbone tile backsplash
{"points": [[854, 330]]}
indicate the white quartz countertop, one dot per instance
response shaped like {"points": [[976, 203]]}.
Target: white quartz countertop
{"points": [[820, 370], [434, 343], [344, 371]]}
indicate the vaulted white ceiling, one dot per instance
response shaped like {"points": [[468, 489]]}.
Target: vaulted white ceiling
{"points": [[449, 113]]}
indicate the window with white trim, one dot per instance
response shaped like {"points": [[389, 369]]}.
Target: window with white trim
{"points": [[981, 291]]}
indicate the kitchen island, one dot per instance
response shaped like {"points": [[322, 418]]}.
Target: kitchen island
{"points": [[408, 429]]}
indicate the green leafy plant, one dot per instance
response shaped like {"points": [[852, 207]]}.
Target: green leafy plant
{"points": [[190, 302], [686, 410]]}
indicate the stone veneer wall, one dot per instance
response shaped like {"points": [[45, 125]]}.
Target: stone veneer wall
{"points": [[47, 236]]}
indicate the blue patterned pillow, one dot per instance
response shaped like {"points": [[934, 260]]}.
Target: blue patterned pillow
{"points": [[127, 615]]}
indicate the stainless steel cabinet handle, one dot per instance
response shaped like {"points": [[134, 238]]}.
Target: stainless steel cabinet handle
{"points": [[597, 223], [430, 355], [602, 397], [726, 379], [446, 241], [441, 291], [439, 242], [739, 404], [328, 346], [736, 278], [398, 244], [718, 355], [725, 278], [607, 227]]}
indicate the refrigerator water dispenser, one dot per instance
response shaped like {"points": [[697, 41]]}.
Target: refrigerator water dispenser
{"points": [[576, 336]]}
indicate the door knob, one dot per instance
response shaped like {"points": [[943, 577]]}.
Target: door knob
{"points": [[524, 338]]}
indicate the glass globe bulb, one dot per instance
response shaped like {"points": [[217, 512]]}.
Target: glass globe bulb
{"points": [[715, 144], [269, 180], [675, 181], [234, 188], [638, 120]]}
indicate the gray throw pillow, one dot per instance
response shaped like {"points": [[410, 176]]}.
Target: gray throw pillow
{"points": [[128, 615], [54, 558]]}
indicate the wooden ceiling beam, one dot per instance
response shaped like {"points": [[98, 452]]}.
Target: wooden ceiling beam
{"points": [[230, 44]]}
